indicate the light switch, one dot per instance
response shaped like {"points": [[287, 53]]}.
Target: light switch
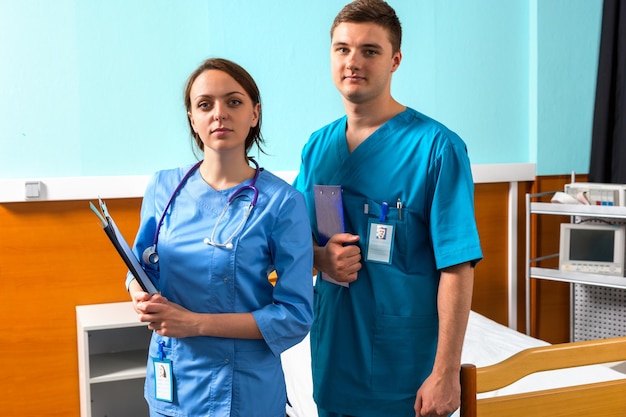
{"points": [[33, 189]]}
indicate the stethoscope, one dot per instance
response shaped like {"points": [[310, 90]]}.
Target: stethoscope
{"points": [[151, 256]]}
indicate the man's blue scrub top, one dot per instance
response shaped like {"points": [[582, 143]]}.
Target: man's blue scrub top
{"points": [[373, 344]]}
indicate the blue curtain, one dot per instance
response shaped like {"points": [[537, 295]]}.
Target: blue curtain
{"points": [[608, 147]]}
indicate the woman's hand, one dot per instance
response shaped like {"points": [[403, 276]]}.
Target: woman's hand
{"points": [[167, 318], [137, 294]]}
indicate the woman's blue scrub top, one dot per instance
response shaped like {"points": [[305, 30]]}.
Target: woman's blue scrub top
{"points": [[373, 344], [219, 376]]}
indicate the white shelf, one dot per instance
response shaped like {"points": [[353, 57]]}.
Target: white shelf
{"points": [[578, 277], [107, 316], [578, 210], [107, 367], [112, 358], [571, 277]]}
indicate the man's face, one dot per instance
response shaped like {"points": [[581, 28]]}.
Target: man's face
{"points": [[362, 61]]}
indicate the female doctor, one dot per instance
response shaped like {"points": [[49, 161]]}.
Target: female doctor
{"points": [[209, 236]]}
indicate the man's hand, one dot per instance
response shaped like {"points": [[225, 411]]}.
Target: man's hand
{"points": [[439, 396], [340, 258]]}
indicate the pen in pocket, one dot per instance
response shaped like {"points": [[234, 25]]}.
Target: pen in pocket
{"points": [[384, 209], [399, 207]]}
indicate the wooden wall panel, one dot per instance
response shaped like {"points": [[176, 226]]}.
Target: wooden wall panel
{"points": [[490, 277], [53, 256]]}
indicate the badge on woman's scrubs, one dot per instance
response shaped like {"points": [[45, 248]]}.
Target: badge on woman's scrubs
{"points": [[380, 238], [163, 381]]}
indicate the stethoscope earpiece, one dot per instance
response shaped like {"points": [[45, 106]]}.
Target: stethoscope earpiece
{"points": [[208, 241]]}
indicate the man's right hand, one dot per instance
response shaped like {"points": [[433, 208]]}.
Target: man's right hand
{"points": [[340, 258]]}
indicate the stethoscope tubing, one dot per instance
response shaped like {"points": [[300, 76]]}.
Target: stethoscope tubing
{"points": [[150, 255]]}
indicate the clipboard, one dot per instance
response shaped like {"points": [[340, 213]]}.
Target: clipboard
{"points": [[328, 212], [329, 216], [120, 244]]}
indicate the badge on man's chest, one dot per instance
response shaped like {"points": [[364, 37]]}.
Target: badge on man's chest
{"points": [[379, 242]]}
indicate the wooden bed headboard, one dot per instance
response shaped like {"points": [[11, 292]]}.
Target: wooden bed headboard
{"points": [[605, 399]]}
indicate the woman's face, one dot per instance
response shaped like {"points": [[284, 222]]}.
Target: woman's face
{"points": [[222, 113]]}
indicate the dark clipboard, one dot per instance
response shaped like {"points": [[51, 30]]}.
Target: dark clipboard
{"points": [[328, 211], [120, 244], [329, 216]]}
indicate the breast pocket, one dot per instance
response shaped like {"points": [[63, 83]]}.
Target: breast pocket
{"points": [[368, 211]]}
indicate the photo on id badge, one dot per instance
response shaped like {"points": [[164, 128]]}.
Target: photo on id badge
{"points": [[164, 385], [379, 242]]}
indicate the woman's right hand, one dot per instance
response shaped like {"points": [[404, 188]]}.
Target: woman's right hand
{"points": [[138, 296]]}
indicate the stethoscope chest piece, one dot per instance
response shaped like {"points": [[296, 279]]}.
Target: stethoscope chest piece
{"points": [[150, 255]]}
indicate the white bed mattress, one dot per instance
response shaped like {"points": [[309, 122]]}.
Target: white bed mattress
{"points": [[486, 343]]}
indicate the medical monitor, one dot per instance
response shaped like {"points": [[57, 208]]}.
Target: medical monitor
{"points": [[592, 248]]}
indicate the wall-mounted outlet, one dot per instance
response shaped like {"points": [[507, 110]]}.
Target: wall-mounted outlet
{"points": [[33, 189]]}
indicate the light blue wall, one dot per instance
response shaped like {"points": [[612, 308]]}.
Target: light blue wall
{"points": [[568, 39], [466, 65], [92, 87]]}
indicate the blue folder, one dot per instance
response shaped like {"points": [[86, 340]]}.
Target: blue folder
{"points": [[118, 241]]}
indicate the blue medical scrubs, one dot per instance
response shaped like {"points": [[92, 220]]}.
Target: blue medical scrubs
{"points": [[374, 343], [220, 376]]}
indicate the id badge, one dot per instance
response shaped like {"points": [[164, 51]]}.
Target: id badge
{"points": [[163, 381], [379, 242]]}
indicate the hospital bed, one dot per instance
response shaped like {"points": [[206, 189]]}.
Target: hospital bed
{"points": [[487, 344]]}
